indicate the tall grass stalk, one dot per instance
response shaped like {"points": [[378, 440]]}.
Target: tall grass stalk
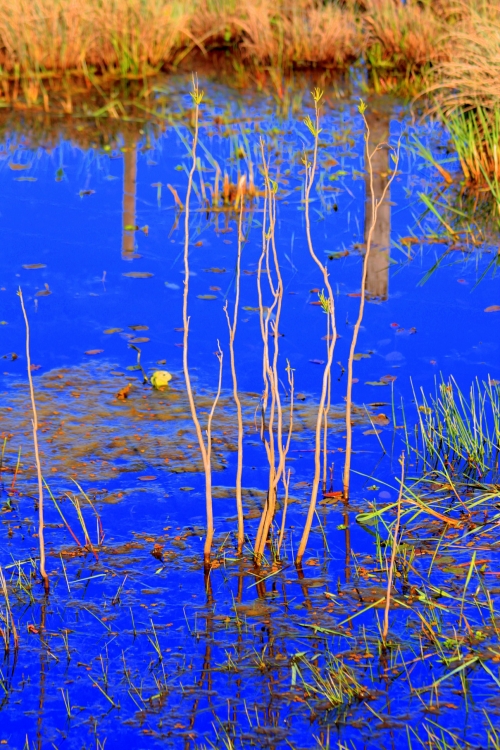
{"points": [[375, 205], [34, 423], [329, 308], [232, 333], [205, 448], [395, 542]]}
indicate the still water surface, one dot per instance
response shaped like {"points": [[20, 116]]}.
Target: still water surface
{"points": [[99, 292]]}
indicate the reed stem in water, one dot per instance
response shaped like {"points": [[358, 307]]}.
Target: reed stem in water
{"points": [[34, 422]]}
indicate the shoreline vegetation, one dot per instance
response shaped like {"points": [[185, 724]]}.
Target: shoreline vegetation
{"points": [[443, 54], [446, 45]]}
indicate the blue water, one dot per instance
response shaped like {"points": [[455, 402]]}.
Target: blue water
{"points": [[65, 210]]}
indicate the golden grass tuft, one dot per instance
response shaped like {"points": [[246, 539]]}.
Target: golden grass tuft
{"points": [[406, 36], [471, 74], [130, 38]]}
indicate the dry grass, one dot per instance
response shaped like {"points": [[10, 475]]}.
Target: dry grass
{"points": [[471, 76], [404, 35], [130, 38]]}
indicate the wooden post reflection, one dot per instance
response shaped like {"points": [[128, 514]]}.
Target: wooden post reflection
{"points": [[43, 674], [377, 279], [129, 194]]}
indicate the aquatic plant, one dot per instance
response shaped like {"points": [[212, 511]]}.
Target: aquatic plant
{"points": [[329, 308], [269, 318], [34, 422], [205, 448], [460, 434], [232, 333]]}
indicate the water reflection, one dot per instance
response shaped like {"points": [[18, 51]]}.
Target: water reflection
{"points": [[377, 280], [129, 194]]}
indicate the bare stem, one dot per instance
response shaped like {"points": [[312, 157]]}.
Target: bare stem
{"points": [[376, 203], [205, 450], [34, 422], [395, 542], [232, 334], [310, 172]]}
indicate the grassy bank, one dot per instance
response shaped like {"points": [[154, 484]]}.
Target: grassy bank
{"points": [[135, 38], [53, 52]]}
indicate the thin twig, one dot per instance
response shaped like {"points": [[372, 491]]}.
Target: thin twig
{"points": [[34, 422]]}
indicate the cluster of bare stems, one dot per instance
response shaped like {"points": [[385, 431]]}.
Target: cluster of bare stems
{"points": [[271, 427], [275, 438], [328, 305], [204, 441]]}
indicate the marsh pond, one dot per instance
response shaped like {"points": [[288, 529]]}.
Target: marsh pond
{"points": [[246, 245]]}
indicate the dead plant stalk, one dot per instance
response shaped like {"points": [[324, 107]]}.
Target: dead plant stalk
{"points": [[205, 449], [232, 334], [310, 170], [375, 207], [270, 366], [34, 422]]}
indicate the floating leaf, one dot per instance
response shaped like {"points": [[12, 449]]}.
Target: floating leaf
{"points": [[113, 330], [375, 382], [34, 266], [122, 394], [492, 308], [44, 292], [317, 361], [18, 167], [26, 179], [388, 378], [134, 367], [147, 478], [139, 328], [82, 193], [214, 270], [91, 352], [207, 296], [139, 340], [138, 275]]}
